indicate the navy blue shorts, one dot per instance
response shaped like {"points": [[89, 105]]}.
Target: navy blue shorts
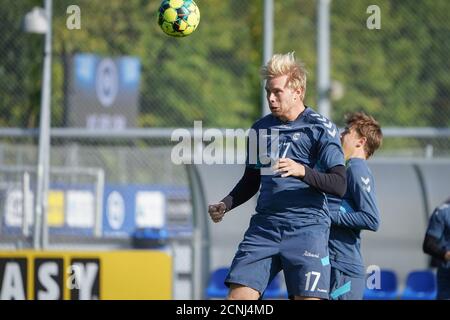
{"points": [[345, 287], [270, 246]]}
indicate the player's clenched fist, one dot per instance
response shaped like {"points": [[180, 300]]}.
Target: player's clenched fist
{"points": [[217, 211]]}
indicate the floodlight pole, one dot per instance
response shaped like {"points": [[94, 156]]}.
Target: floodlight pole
{"points": [[323, 59], [40, 237], [267, 46]]}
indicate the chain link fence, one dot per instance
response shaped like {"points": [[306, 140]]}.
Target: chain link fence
{"points": [[119, 70], [388, 59]]}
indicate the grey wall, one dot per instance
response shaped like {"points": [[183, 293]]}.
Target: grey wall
{"points": [[436, 176], [398, 242]]}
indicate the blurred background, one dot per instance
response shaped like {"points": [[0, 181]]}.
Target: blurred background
{"points": [[101, 178]]}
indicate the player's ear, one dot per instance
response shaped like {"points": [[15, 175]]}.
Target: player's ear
{"points": [[361, 142]]}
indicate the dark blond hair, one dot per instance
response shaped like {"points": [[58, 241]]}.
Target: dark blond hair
{"points": [[366, 126], [286, 64]]}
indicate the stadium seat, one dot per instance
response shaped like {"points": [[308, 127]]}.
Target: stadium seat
{"points": [[420, 285], [216, 288], [388, 290], [275, 289]]}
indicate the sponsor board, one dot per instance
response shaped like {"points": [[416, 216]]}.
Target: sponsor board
{"points": [[111, 275]]}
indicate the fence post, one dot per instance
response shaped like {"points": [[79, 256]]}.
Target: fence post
{"points": [[323, 57]]}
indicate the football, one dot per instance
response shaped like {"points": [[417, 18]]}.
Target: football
{"points": [[178, 18]]}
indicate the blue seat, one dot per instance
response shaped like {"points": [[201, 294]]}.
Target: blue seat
{"points": [[275, 290], [420, 285], [388, 287], [216, 288]]}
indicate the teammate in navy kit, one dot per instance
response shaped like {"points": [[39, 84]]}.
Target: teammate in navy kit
{"points": [[437, 244], [290, 229], [356, 211]]}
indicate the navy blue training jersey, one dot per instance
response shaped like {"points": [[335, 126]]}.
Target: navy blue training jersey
{"points": [[439, 228], [358, 210], [311, 140]]}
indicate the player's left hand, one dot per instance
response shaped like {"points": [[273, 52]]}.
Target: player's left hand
{"points": [[288, 167], [217, 211]]}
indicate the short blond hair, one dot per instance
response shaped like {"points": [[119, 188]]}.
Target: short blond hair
{"points": [[286, 64]]}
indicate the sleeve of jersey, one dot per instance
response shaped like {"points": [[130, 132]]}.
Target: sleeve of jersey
{"points": [[244, 190], [436, 225], [431, 247], [333, 181], [366, 215], [330, 152], [252, 156]]}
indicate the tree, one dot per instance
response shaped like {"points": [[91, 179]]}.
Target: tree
{"points": [[397, 73], [210, 75], [21, 57]]}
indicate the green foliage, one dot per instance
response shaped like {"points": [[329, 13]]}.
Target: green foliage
{"points": [[395, 73], [210, 75], [399, 73], [20, 67]]}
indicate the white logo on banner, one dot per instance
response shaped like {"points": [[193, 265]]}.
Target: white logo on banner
{"points": [[107, 82], [14, 208], [150, 209], [80, 209], [116, 210]]}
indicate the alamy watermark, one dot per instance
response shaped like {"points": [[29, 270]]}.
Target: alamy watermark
{"points": [[374, 20], [73, 21], [261, 148], [373, 280]]}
